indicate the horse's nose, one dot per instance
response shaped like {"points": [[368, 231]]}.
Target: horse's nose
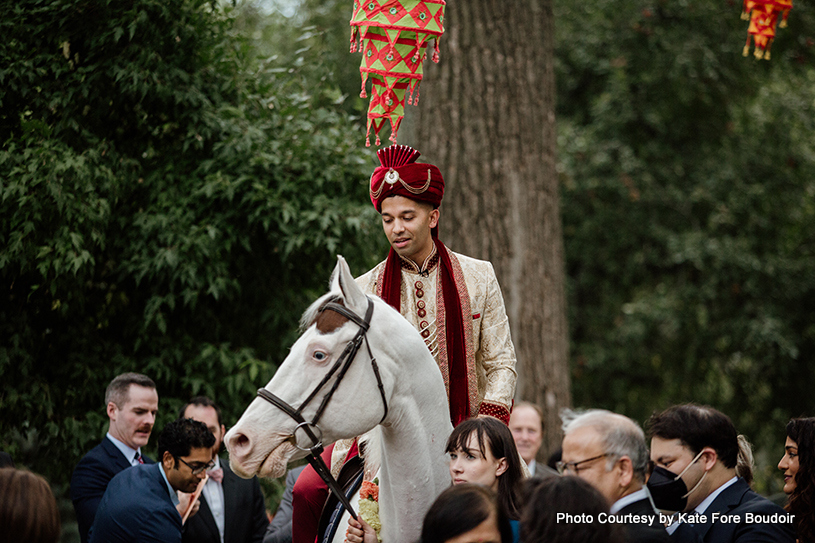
{"points": [[239, 444]]}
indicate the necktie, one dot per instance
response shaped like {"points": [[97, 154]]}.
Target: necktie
{"points": [[216, 475], [138, 458]]}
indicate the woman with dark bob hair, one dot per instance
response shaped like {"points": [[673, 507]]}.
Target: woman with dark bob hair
{"points": [[466, 512], [798, 465], [482, 451]]}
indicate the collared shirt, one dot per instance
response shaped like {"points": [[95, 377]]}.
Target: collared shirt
{"points": [[628, 499], [214, 494], [129, 453], [702, 507], [170, 488], [532, 465]]}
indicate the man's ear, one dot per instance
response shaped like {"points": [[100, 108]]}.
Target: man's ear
{"points": [[167, 461], [112, 409], [709, 457], [626, 471], [502, 467], [434, 218]]}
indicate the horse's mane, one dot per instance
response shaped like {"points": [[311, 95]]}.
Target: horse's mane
{"points": [[371, 444]]}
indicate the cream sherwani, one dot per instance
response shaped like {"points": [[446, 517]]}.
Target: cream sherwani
{"points": [[492, 389], [494, 384]]}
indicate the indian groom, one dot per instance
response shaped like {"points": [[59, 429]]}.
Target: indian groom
{"points": [[454, 301]]}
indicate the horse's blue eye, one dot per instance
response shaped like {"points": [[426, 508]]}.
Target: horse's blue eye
{"points": [[319, 356]]}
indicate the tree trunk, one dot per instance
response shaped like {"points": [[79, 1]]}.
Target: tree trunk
{"points": [[486, 118]]}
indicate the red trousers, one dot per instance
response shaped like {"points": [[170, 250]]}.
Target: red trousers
{"points": [[308, 498]]}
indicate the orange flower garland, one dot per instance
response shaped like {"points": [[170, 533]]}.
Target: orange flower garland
{"points": [[369, 505]]}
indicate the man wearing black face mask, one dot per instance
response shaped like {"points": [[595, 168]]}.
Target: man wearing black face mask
{"points": [[695, 450]]}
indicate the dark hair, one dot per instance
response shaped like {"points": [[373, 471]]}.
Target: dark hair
{"points": [[495, 433], [697, 427], [6, 461], [118, 390], [28, 510], [460, 509], [182, 435], [201, 401], [802, 499], [545, 498]]}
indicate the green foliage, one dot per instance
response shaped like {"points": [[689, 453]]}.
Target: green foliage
{"points": [[169, 204], [688, 202], [315, 38]]}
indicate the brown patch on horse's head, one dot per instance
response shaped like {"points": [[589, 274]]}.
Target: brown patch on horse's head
{"points": [[327, 320]]}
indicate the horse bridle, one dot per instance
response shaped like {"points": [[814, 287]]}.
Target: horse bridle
{"points": [[311, 429]]}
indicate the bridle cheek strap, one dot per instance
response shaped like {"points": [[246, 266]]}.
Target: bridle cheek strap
{"points": [[342, 364]]}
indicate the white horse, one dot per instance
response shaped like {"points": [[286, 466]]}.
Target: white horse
{"points": [[414, 469]]}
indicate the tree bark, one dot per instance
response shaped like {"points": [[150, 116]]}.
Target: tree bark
{"points": [[487, 119]]}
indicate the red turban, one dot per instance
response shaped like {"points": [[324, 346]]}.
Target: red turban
{"points": [[400, 175]]}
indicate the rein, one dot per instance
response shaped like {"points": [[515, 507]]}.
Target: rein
{"points": [[340, 367]]}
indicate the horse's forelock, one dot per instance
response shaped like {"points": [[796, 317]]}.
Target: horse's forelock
{"points": [[326, 321], [311, 313]]}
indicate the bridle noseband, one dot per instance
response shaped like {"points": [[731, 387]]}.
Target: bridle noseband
{"points": [[340, 367]]}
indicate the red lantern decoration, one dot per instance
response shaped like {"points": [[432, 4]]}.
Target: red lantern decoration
{"points": [[763, 17], [393, 36]]}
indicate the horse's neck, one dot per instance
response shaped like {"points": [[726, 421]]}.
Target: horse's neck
{"points": [[413, 467], [408, 457]]}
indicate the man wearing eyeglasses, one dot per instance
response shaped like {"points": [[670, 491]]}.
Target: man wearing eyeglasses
{"points": [[140, 503], [609, 451], [233, 510]]}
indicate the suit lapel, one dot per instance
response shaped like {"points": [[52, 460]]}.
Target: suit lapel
{"points": [[639, 507], [724, 502], [205, 513], [229, 499], [115, 454]]}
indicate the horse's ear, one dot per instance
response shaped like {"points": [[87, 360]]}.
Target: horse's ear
{"points": [[343, 281]]}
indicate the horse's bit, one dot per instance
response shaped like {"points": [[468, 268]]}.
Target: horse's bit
{"points": [[310, 428]]}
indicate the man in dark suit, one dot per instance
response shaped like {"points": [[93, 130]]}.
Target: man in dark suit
{"points": [[140, 503], [280, 530], [131, 403], [695, 450], [233, 510], [608, 451]]}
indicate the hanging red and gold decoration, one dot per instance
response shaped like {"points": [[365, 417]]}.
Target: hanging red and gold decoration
{"points": [[763, 16], [392, 36]]}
